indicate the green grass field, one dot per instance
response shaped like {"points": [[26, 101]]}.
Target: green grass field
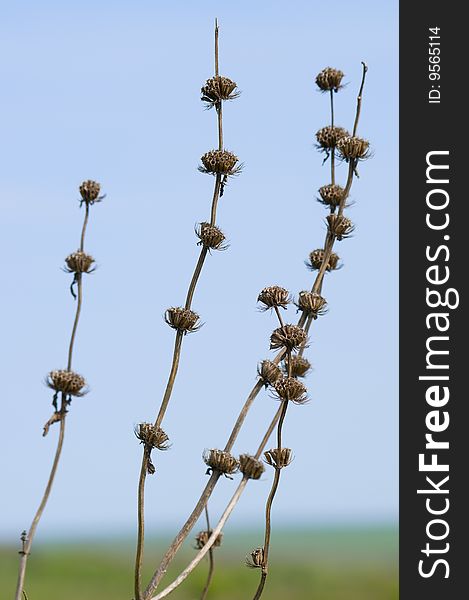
{"points": [[327, 564]]}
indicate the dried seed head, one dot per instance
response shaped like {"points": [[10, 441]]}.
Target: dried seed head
{"points": [[329, 79], [203, 536], [352, 147], [210, 236], [67, 382], [218, 88], [316, 259], [151, 436], [89, 191], [255, 559], [218, 460], [182, 319], [289, 336], [274, 295], [269, 372], [250, 466], [219, 162], [328, 137], [278, 459], [340, 226], [79, 262], [299, 366], [331, 195], [311, 303], [289, 388]]}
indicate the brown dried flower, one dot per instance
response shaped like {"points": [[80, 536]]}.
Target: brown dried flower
{"points": [[269, 372], [151, 436], [312, 303], [289, 388], [328, 137], [278, 459], [329, 79], [67, 382], [274, 295], [289, 336], [219, 162], [89, 191], [79, 262], [331, 195], [218, 88], [255, 559], [182, 319], [203, 536], [299, 366], [211, 236], [250, 467], [316, 259], [352, 147], [218, 460], [340, 226]]}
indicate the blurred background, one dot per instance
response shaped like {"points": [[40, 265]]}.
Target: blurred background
{"points": [[110, 91]]}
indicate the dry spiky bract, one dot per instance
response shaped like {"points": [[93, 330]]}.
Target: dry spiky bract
{"points": [[290, 337], [151, 436], [211, 236], [269, 372], [353, 147], [331, 195], [255, 559], [289, 388], [278, 459], [89, 191], [67, 382], [316, 258], [340, 226], [182, 319], [221, 461], [203, 537], [329, 137], [219, 162], [250, 467], [274, 295], [299, 366], [329, 79], [79, 262], [218, 88], [312, 303]]}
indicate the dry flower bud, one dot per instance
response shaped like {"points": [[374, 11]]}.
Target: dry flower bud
{"points": [[219, 162], [331, 195], [289, 336], [151, 436], [67, 382], [269, 372], [274, 295], [289, 388], [340, 226], [79, 262], [250, 467], [316, 259], [89, 191], [211, 236], [311, 303], [182, 319], [329, 79], [203, 537], [255, 559], [328, 137], [278, 459], [299, 366], [352, 147], [218, 88], [218, 460]]}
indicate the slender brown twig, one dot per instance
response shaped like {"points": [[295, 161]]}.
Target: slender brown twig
{"points": [[211, 561]]}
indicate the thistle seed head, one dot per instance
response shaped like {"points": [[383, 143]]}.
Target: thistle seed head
{"points": [[278, 459], [203, 536], [218, 88], [352, 147], [151, 436], [219, 162], [274, 295], [250, 467], [316, 259], [331, 195], [299, 366], [218, 460], [89, 191], [289, 388], [340, 226], [79, 262], [210, 236], [311, 303], [67, 382], [289, 336], [329, 79], [329, 137], [182, 319], [269, 372], [255, 559]]}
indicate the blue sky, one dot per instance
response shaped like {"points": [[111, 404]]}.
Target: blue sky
{"points": [[110, 91]]}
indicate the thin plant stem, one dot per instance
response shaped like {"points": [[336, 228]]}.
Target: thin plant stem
{"points": [[210, 559], [333, 149], [279, 316], [359, 98]]}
